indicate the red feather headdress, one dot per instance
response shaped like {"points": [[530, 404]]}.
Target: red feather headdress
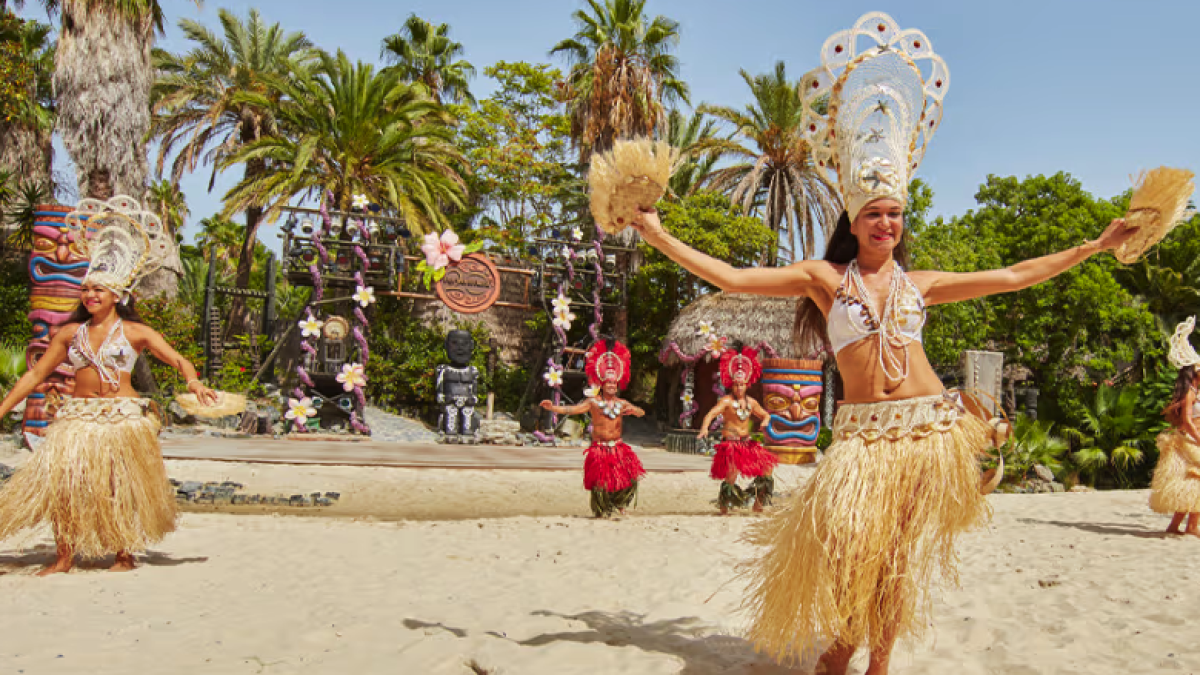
{"points": [[741, 366], [604, 364]]}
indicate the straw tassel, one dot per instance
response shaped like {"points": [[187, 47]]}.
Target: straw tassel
{"points": [[1176, 485], [1158, 205]]}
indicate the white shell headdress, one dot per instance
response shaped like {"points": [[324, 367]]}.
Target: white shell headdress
{"points": [[123, 242], [1182, 353], [872, 107]]}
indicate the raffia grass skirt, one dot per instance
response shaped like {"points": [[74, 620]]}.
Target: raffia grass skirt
{"points": [[97, 477], [851, 558], [1176, 484]]}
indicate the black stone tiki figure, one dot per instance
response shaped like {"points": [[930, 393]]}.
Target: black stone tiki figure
{"points": [[456, 389]]}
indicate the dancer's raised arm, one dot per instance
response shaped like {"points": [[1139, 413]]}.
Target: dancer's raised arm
{"points": [[795, 279], [945, 287]]}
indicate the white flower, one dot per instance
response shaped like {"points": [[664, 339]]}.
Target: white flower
{"points": [[563, 320], [300, 410], [567, 252], [687, 399], [705, 330], [716, 345], [561, 303], [592, 392], [577, 234], [364, 296], [553, 376], [310, 327], [359, 201], [352, 376]]}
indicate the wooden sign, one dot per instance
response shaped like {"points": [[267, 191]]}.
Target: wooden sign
{"points": [[470, 286]]}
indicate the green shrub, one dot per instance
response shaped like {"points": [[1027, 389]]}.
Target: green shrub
{"points": [[179, 324]]}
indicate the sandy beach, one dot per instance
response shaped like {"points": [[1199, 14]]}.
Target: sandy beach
{"points": [[503, 568]]}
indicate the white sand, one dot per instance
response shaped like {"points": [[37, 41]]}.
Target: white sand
{"points": [[1062, 583]]}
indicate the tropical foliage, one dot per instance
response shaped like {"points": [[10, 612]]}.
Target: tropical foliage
{"points": [[622, 72], [424, 53], [773, 174]]}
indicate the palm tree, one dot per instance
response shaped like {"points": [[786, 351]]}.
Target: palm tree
{"points": [[685, 133], [200, 112], [1114, 428], [622, 71], [775, 174], [222, 238], [1033, 442], [346, 129], [170, 204], [27, 120], [422, 52]]}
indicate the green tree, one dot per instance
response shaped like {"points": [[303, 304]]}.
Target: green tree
{"points": [[774, 174], [517, 141], [345, 129], [687, 134], [1078, 328], [1111, 436], [706, 222], [222, 238], [201, 113], [26, 99], [424, 53], [166, 199], [622, 72], [1167, 278]]}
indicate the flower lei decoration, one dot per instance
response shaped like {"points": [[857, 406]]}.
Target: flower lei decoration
{"points": [[352, 377], [439, 252], [364, 295], [562, 312], [300, 410]]}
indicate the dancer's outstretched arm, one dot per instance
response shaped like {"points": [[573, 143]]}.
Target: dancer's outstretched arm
{"points": [[577, 409], [793, 280], [712, 415], [161, 349], [54, 355], [944, 287]]}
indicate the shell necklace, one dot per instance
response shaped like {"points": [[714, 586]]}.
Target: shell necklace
{"points": [[611, 409], [105, 364], [742, 408], [884, 324]]}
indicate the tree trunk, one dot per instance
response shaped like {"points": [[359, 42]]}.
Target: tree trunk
{"points": [[254, 216]]}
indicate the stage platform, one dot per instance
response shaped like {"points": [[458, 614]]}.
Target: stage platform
{"points": [[408, 455]]}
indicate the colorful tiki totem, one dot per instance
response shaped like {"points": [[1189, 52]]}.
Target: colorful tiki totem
{"points": [[792, 395], [56, 271]]}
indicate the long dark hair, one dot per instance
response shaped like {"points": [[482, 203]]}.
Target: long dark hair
{"points": [[1174, 411], [127, 312], [842, 247]]}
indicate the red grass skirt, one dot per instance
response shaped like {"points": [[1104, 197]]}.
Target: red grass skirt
{"points": [[611, 468], [748, 456]]}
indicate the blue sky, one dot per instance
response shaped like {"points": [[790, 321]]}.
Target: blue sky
{"points": [[1099, 89]]}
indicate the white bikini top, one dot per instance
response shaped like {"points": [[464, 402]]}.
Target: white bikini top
{"points": [[115, 356], [851, 319]]}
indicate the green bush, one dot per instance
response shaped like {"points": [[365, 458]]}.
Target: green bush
{"points": [[179, 324], [15, 327]]}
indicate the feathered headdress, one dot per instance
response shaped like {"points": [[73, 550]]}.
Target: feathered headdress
{"points": [[872, 107], [608, 365], [1159, 203], [631, 176], [1182, 354], [742, 367], [122, 242]]}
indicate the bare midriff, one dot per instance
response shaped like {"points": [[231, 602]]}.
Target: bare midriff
{"points": [[863, 380], [89, 385]]}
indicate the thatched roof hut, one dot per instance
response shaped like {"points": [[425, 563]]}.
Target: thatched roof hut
{"points": [[748, 319]]}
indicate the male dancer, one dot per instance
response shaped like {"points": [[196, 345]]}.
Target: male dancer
{"points": [[610, 467], [738, 452]]}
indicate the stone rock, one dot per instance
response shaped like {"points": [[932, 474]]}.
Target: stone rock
{"points": [[571, 428], [178, 415], [1081, 488], [1057, 487], [1043, 473]]}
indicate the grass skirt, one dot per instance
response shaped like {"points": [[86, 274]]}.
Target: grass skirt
{"points": [[855, 551], [1176, 484], [746, 455], [98, 478], [611, 467]]}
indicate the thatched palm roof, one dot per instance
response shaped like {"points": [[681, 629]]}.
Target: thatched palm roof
{"points": [[749, 319]]}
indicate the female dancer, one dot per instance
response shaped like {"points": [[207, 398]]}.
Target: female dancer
{"points": [[98, 477], [1176, 485], [850, 557]]}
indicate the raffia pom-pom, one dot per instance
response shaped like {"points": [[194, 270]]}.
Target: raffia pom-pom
{"points": [[631, 176], [227, 404], [1159, 203]]}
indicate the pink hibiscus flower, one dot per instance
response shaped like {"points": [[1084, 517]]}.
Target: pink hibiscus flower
{"points": [[439, 252]]}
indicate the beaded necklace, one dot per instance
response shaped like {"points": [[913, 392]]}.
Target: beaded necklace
{"points": [[742, 408], [886, 326]]}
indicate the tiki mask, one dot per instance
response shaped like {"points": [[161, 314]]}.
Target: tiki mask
{"points": [[792, 396], [56, 269]]}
